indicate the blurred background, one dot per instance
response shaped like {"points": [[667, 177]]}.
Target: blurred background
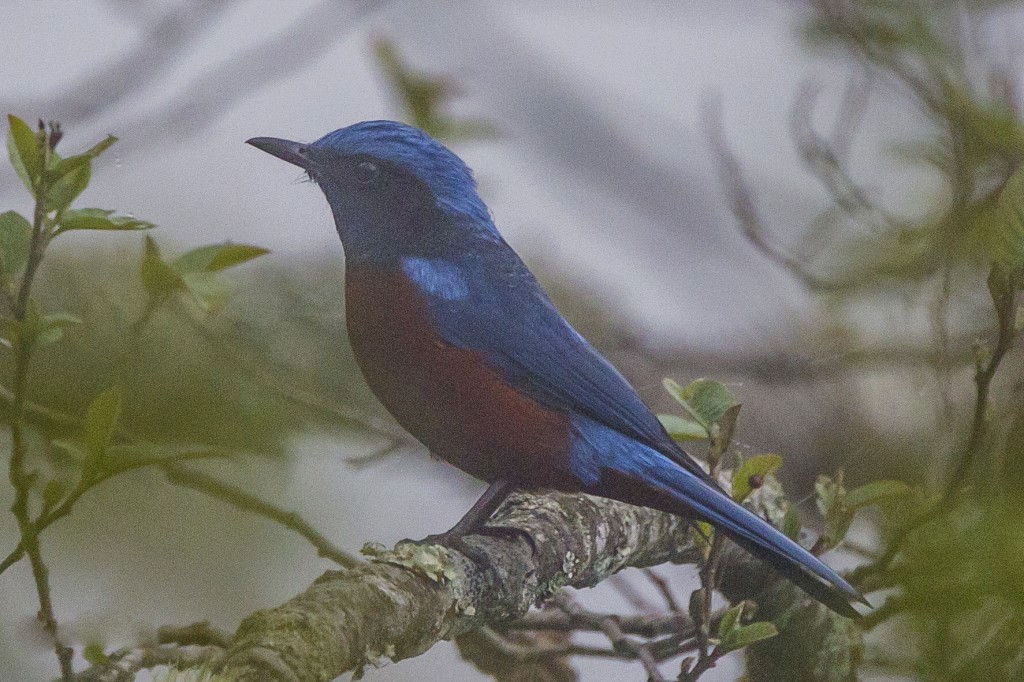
{"points": [[726, 189]]}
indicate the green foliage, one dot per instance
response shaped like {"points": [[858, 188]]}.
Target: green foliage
{"points": [[36, 329], [99, 219], [704, 400], [791, 523], [960, 583], [146, 379], [66, 187], [217, 257], [682, 429], [838, 506], [24, 152], [711, 415], [196, 272], [732, 635], [1006, 240], [425, 98], [100, 421], [159, 278], [15, 242], [94, 654], [750, 474]]}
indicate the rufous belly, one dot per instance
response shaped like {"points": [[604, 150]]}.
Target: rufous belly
{"points": [[448, 397]]}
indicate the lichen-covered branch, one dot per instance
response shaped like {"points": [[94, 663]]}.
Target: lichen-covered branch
{"points": [[402, 602]]}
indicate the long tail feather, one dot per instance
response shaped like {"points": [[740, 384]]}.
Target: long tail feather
{"points": [[759, 538], [614, 465]]}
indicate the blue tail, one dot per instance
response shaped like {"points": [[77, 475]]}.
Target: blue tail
{"points": [[759, 538], [616, 466]]}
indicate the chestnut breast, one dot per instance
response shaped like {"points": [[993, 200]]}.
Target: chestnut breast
{"points": [[448, 397]]}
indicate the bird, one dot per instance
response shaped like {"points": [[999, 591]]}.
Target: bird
{"points": [[461, 344]]}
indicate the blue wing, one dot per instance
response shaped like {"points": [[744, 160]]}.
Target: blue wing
{"points": [[507, 316]]}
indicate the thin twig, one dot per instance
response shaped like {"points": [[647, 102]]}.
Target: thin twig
{"points": [[238, 498], [624, 587], [87, 483], [257, 368], [1003, 299], [665, 589], [678, 624], [620, 642], [744, 206]]}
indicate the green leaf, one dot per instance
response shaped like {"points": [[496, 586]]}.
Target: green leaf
{"points": [[209, 289], [1006, 237], [67, 188], [730, 621], [216, 257], [15, 242], [875, 493], [747, 635], [702, 532], [101, 420], [756, 466], [64, 166], [51, 327], [99, 219], [61, 319], [832, 505], [23, 333], [710, 399], [93, 653], [791, 523], [675, 390], [159, 278], [100, 147], [24, 150], [705, 400], [49, 336], [683, 429], [73, 448], [830, 495], [721, 437]]}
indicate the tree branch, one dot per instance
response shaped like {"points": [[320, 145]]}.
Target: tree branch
{"points": [[402, 602]]}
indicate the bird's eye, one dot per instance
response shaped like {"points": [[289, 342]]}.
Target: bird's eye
{"points": [[366, 173]]}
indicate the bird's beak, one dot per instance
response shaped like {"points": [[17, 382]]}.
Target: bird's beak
{"points": [[286, 150]]}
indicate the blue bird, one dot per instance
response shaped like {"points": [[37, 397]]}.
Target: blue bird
{"points": [[462, 345]]}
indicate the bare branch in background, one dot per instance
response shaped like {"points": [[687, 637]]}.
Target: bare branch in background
{"points": [[208, 95], [112, 84], [828, 158], [744, 203], [248, 71]]}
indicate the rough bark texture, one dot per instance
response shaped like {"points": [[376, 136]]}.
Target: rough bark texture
{"points": [[402, 602]]}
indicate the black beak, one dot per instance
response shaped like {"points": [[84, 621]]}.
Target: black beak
{"points": [[286, 150]]}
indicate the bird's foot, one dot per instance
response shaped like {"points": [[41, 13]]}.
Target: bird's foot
{"points": [[457, 541]]}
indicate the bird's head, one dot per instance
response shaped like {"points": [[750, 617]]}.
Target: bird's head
{"points": [[393, 189]]}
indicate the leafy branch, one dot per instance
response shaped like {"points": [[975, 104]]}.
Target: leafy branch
{"points": [[98, 453]]}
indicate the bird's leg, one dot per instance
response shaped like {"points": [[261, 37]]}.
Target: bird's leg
{"points": [[472, 521], [481, 510]]}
